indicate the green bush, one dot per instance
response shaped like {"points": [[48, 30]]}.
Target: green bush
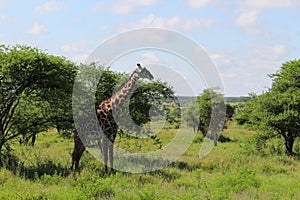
{"points": [[198, 138], [95, 187], [226, 186]]}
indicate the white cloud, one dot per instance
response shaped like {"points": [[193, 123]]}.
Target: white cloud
{"points": [[76, 46], [198, 3], [221, 59], [249, 21], [279, 50], [175, 22], [48, 7], [139, 37], [264, 4], [125, 9], [37, 29], [5, 16], [77, 51], [2, 16], [79, 58], [228, 75], [251, 9], [248, 18], [267, 57], [131, 6], [205, 3], [246, 71], [149, 58], [276, 51], [225, 63]]}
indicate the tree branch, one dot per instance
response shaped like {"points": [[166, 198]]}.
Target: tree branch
{"points": [[9, 117]]}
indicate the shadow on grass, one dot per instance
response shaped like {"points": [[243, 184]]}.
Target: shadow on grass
{"points": [[44, 168], [186, 166], [66, 134], [9, 162], [199, 139], [296, 156], [224, 139], [34, 171], [166, 175]]}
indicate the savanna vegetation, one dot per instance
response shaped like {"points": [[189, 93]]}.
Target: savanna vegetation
{"points": [[276, 113], [256, 157], [234, 169]]}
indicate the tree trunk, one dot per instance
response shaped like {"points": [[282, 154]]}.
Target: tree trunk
{"points": [[2, 141], [289, 143], [215, 139], [58, 128], [33, 138]]}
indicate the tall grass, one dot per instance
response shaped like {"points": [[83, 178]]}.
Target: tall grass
{"points": [[231, 171]]}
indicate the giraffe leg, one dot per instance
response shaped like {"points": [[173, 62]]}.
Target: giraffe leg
{"points": [[73, 162], [73, 158], [105, 155], [100, 146], [76, 155], [79, 148], [111, 157]]}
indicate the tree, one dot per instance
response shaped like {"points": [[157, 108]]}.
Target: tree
{"points": [[191, 115], [209, 116], [148, 100], [277, 111], [31, 117], [26, 71], [205, 108], [212, 110], [104, 82], [173, 112], [94, 83], [230, 110], [146, 96]]}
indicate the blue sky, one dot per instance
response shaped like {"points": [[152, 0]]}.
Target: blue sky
{"points": [[246, 39]]}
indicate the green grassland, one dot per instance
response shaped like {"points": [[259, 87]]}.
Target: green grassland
{"points": [[233, 170]]}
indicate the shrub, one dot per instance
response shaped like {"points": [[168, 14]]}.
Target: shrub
{"points": [[226, 186]]}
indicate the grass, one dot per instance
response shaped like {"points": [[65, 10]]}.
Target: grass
{"points": [[228, 172]]}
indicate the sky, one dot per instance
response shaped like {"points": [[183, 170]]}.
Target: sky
{"points": [[245, 39]]}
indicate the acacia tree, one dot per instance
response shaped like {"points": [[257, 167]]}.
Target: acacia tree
{"points": [[212, 110], [277, 112], [146, 96], [191, 115], [31, 117], [26, 71], [207, 113]]}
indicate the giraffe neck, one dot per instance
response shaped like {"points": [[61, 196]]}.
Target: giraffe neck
{"points": [[125, 92]]}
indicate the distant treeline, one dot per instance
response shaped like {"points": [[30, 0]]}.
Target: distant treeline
{"points": [[186, 99], [237, 99]]}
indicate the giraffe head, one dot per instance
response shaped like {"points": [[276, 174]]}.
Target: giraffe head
{"points": [[143, 72]]}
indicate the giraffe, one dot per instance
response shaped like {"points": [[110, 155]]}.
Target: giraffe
{"points": [[104, 112], [79, 148], [87, 129]]}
